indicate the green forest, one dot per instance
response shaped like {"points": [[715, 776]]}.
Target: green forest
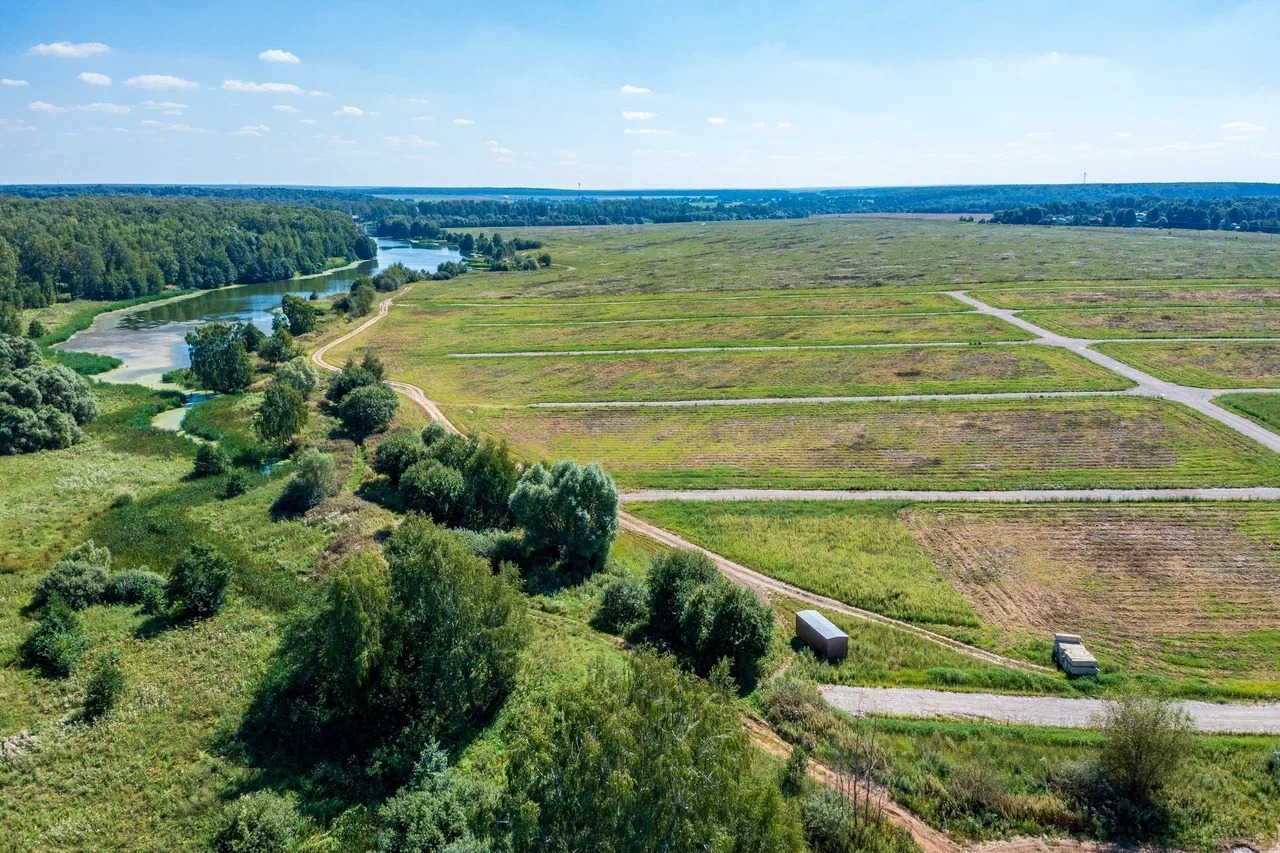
{"points": [[121, 247]]}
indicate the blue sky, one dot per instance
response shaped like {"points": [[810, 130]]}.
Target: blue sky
{"points": [[655, 94]]}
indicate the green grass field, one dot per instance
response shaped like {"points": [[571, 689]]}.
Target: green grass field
{"points": [[1221, 364], [411, 333], [1204, 322], [1136, 294], [1061, 443], [737, 375], [859, 554], [1263, 408], [859, 252]]}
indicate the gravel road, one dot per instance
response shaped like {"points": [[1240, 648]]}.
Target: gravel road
{"points": [[1035, 710]]}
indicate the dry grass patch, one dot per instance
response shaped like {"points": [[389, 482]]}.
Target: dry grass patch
{"points": [[1220, 364], [1059, 443], [1161, 323], [1172, 588]]}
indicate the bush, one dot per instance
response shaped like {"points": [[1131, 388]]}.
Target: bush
{"points": [[569, 515], [793, 779], [315, 479], [123, 499], [211, 461], [36, 330], [299, 375], [57, 643], [105, 687], [299, 313], [133, 586], [396, 453], [431, 488], [237, 484], [261, 822], [79, 577], [347, 380], [704, 618], [42, 407], [282, 414], [491, 476], [368, 409], [623, 605], [198, 586], [426, 819]]}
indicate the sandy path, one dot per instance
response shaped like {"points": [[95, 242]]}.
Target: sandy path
{"points": [[1036, 710]]}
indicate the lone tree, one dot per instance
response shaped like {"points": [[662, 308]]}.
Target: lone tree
{"points": [[219, 358], [300, 314], [368, 409], [282, 415], [569, 515]]}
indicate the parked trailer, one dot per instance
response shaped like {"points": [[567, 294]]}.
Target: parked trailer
{"points": [[1070, 654], [817, 632]]}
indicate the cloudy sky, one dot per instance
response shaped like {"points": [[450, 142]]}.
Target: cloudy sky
{"points": [[640, 94]]}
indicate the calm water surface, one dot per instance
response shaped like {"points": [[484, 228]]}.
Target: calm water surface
{"points": [[150, 339]]}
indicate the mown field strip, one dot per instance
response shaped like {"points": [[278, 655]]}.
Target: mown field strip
{"points": [[1168, 322], [559, 353], [1083, 442], [883, 398], [1011, 496], [702, 318]]}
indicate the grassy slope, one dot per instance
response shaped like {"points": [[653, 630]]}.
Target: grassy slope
{"points": [[1263, 408], [1059, 443]]}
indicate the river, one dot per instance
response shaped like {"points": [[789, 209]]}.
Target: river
{"points": [[150, 339]]}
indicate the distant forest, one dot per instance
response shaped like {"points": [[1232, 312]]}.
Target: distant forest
{"points": [[122, 241], [109, 246]]}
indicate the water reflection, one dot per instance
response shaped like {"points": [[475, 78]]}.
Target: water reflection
{"points": [[150, 339]]}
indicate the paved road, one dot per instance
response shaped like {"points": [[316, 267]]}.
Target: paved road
{"points": [[1036, 710], [1256, 493]]}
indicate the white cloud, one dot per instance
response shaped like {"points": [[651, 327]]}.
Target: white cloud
{"points": [[260, 88], [42, 107], [425, 118], [316, 93], [150, 122], [184, 128], [495, 148], [69, 50], [757, 124], [416, 101], [279, 56], [628, 89], [284, 108], [251, 130], [17, 126], [161, 81], [783, 125], [1243, 127], [338, 140], [308, 121], [7, 81], [169, 108], [349, 111], [99, 107], [411, 140], [1122, 134], [645, 131], [637, 115], [716, 120], [93, 78], [463, 121]]}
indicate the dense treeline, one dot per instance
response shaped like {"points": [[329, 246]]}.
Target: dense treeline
{"points": [[118, 247], [1227, 214]]}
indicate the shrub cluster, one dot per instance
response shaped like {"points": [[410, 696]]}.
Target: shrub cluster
{"points": [[361, 400], [454, 480], [57, 643], [42, 407], [315, 478], [703, 618]]}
